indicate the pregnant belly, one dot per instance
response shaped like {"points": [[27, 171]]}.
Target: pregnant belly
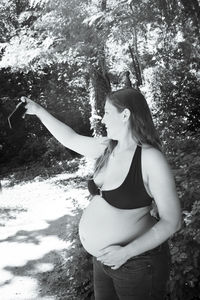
{"points": [[102, 225]]}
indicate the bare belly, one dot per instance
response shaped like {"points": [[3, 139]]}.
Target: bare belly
{"points": [[102, 225]]}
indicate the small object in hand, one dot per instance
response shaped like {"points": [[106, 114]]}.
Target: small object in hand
{"points": [[16, 117]]}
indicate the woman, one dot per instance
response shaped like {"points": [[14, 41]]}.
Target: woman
{"points": [[130, 253]]}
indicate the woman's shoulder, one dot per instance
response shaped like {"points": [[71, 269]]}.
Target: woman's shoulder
{"points": [[153, 159], [151, 154], [148, 149]]}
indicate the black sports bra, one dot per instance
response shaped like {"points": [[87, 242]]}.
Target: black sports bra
{"points": [[131, 193]]}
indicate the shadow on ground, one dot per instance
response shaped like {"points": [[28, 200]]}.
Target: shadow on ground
{"points": [[34, 257], [38, 224]]}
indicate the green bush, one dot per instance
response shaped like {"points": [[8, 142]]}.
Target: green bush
{"points": [[79, 264], [183, 154], [31, 170], [185, 275], [55, 152], [32, 150], [72, 276], [47, 150]]}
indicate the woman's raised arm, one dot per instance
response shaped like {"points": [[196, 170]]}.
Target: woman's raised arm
{"points": [[87, 146]]}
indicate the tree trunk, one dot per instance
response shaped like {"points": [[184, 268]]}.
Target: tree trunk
{"points": [[127, 81], [134, 50], [136, 68], [99, 86]]}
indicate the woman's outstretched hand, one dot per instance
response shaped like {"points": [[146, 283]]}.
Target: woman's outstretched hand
{"points": [[113, 256], [31, 107]]}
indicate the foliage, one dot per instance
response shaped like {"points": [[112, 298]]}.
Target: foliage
{"points": [[183, 157], [56, 83], [32, 149], [28, 68], [55, 152], [30, 171], [71, 277], [79, 265]]}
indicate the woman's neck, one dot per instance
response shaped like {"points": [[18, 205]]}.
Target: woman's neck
{"points": [[125, 144]]}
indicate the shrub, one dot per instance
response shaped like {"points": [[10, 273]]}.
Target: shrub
{"points": [[33, 148], [79, 264], [55, 152], [185, 245], [71, 277]]}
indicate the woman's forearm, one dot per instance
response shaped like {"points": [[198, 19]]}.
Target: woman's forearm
{"points": [[84, 145], [58, 129], [155, 236]]}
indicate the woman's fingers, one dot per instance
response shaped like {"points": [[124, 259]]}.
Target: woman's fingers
{"points": [[31, 106], [26, 102], [24, 99]]}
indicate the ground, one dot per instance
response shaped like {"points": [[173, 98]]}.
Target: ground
{"points": [[35, 217]]}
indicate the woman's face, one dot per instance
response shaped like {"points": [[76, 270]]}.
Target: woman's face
{"points": [[112, 120]]}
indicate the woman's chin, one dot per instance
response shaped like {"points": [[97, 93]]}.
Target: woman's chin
{"points": [[109, 135], [112, 134]]}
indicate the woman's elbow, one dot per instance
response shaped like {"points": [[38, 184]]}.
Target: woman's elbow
{"points": [[172, 226], [179, 220], [176, 220], [176, 226]]}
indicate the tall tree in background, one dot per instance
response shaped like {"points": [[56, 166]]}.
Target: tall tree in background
{"points": [[99, 82], [156, 41], [176, 76]]}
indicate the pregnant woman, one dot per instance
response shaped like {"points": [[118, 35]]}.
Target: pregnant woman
{"points": [[131, 258]]}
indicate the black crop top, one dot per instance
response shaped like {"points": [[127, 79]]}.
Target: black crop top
{"points": [[131, 193]]}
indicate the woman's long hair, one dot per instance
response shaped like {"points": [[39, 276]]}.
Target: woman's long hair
{"points": [[141, 122]]}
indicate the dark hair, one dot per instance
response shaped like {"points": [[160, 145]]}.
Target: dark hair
{"points": [[141, 122]]}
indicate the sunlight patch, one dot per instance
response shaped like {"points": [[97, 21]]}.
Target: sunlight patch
{"points": [[19, 254], [36, 216], [5, 276], [22, 288], [43, 267]]}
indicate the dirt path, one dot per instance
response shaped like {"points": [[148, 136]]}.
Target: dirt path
{"points": [[34, 218]]}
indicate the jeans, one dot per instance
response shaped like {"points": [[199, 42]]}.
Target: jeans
{"points": [[142, 277]]}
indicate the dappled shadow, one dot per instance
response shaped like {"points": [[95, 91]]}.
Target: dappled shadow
{"points": [[29, 171], [42, 270], [55, 227], [9, 213], [75, 180], [35, 245], [44, 251]]}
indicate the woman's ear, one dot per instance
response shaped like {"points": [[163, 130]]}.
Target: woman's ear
{"points": [[126, 114]]}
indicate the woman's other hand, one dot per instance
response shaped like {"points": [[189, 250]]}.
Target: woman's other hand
{"points": [[32, 108], [113, 256]]}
